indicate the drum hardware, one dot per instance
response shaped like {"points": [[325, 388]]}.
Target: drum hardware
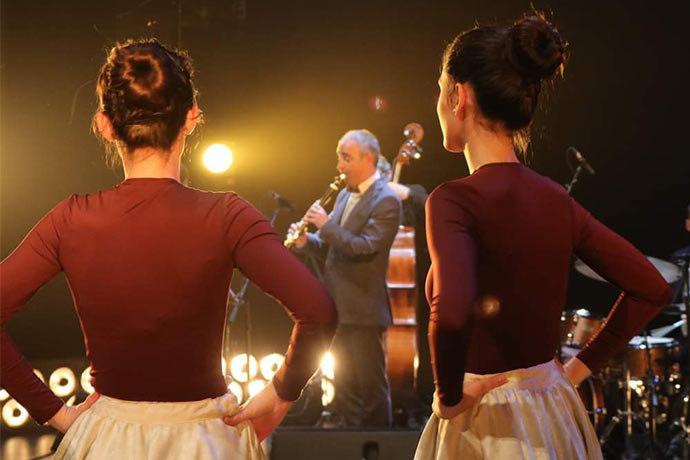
{"points": [[649, 382], [669, 271], [684, 264]]}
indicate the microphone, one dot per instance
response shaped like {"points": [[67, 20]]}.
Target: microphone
{"points": [[283, 203], [582, 160]]}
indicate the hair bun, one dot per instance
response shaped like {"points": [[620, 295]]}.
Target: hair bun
{"points": [[145, 77], [535, 48]]}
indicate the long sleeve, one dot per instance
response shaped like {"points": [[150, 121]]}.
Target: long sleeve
{"points": [[451, 290], [379, 229], [645, 293], [22, 273], [260, 255]]}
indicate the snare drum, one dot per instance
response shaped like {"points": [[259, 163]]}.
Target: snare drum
{"points": [[578, 326], [663, 351]]}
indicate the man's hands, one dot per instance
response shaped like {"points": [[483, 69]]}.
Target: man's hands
{"points": [[315, 215]]}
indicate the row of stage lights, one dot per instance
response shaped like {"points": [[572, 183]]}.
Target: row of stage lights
{"points": [[247, 377]]}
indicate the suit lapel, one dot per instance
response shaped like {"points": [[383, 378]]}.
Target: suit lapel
{"points": [[363, 205], [340, 206]]}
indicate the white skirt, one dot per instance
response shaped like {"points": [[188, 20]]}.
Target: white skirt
{"points": [[133, 430], [537, 414]]}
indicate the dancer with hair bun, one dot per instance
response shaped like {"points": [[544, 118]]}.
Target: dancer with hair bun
{"points": [[501, 242], [149, 263]]}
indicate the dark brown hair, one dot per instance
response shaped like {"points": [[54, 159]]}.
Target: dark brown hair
{"points": [[146, 90], [506, 67]]}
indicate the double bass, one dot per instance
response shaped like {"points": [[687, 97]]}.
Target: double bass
{"points": [[401, 343]]}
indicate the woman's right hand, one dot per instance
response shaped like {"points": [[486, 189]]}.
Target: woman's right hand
{"points": [[265, 410]]}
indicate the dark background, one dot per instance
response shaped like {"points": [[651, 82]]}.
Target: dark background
{"points": [[281, 81]]}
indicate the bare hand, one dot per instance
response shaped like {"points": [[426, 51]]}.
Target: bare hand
{"points": [[65, 417], [473, 391], [265, 410], [302, 239], [316, 215], [576, 371]]}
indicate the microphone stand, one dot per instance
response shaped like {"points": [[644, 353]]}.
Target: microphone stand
{"points": [[238, 301], [573, 181], [568, 188]]}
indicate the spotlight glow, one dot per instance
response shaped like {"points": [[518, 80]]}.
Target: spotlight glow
{"points": [[14, 414], [4, 395], [217, 158], [85, 380], [328, 365], [62, 381], [270, 365], [256, 386], [236, 389], [238, 367], [328, 390]]}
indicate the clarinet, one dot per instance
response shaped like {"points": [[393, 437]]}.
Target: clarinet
{"points": [[325, 199]]}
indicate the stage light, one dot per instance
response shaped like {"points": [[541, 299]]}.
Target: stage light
{"points": [[236, 389], [72, 399], [238, 367], [328, 390], [378, 103], [14, 414], [328, 365], [270, 364], [39, 374], [18, 447], [62, 381], [85, 380], [256, 386], [217, 158]]}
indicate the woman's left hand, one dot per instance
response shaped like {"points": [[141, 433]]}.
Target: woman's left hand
{"points": [[265, 411], [472, 393], [65, 417]]}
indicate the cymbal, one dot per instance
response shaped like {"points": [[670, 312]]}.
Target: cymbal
{"points": [[670, 272]]}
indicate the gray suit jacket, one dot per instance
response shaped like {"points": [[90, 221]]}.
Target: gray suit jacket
{"points": [[357, 254]]}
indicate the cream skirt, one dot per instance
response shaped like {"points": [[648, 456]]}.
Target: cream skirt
{"points": [[133, 430], [536, 415]]}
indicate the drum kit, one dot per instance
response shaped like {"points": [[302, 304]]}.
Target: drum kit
{"points": [[639, 403]]}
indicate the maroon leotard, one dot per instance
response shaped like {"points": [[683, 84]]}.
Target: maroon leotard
{"points": [[149, 264], [506, 236]]}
